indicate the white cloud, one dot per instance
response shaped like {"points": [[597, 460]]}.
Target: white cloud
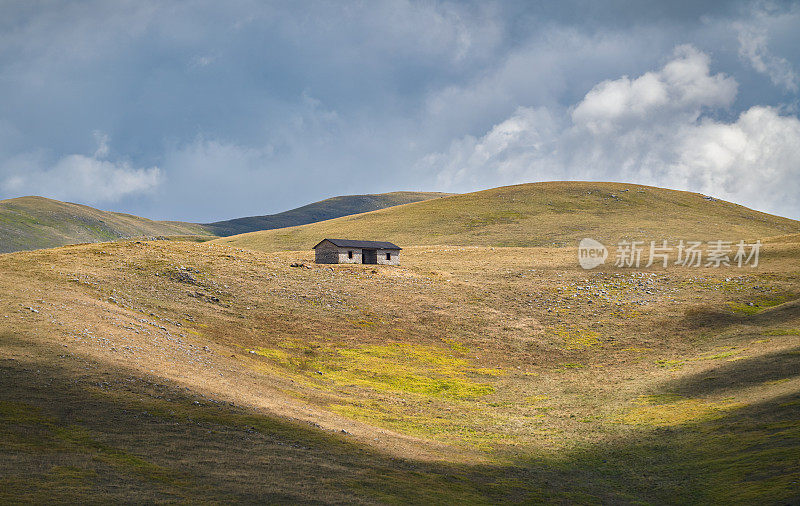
{"points": [[199, 61], [683, 88], [753, 49], [753, 46], [651, 130], [102, 144], [89, 179], [539, 72]]}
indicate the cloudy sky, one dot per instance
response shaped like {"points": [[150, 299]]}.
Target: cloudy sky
{"points": [[207, 110]]}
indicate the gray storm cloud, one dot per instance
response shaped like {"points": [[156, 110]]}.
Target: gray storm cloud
{"points": [[202, 110], [753, 38]]}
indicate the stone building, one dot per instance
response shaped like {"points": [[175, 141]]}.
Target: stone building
{"points": [[344, 251]]}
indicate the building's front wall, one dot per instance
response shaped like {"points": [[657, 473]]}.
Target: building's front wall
{"points": [[344, 257], [328, 253], [394, 257]]}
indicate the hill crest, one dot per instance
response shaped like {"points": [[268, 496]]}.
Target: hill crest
{"points": [[330, 208], [34, 222], [539, 214]]}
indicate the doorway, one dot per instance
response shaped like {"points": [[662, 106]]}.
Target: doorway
{"points": [[369, 256]]}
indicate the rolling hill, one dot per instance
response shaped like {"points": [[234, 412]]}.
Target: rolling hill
{"points": [[174, 371], [28, 223], [179, 371], [538, 214], [327, 209]]}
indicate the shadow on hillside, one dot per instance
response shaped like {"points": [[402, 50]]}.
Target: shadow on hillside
{"points": [[748, 456], [716, 319], [739, 374], [71, 431]]}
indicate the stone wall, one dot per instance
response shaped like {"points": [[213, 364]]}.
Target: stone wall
{"points": [[394, 257], [343, 259], [327, 253]]}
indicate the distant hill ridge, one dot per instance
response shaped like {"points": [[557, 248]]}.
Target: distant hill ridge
{"points": [[534, 214], [539, 214], [327, 209], [28, 223]]}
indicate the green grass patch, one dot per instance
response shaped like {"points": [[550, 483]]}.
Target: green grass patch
{"points": [[578, 339], [782, 332], [666, 410], [759, 304], [718, 355], [452, 429], [425, 370]]}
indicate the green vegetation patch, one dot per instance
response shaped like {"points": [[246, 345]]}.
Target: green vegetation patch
{"points": [[426, 370], [667, 410], [759, 304], [670, 364], [403, 368], [782, 332], [451, 429], [577, 338], [278, 355]]}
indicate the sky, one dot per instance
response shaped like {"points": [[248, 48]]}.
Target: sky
{"points": [[208, 110]]}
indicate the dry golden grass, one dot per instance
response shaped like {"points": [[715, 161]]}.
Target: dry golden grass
{"points": [[540, 215], [504, 373]]}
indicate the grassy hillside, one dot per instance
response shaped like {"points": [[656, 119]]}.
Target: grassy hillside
{"points": [[28, 223], [318, 211], [183, 372], [538, 214], [158, 371], [35, 222]]}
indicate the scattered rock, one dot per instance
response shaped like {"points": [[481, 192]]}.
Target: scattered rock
{"points": [[185, 277], [203, 296]]}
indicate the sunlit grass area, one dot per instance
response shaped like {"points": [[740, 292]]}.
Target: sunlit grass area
{"points": [[175, 371], [539, 214]]}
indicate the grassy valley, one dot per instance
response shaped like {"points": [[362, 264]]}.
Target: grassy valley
{"points": [[175, 371]]}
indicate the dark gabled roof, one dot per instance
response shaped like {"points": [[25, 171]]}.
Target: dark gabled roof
{"points": [[347, 243]]}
